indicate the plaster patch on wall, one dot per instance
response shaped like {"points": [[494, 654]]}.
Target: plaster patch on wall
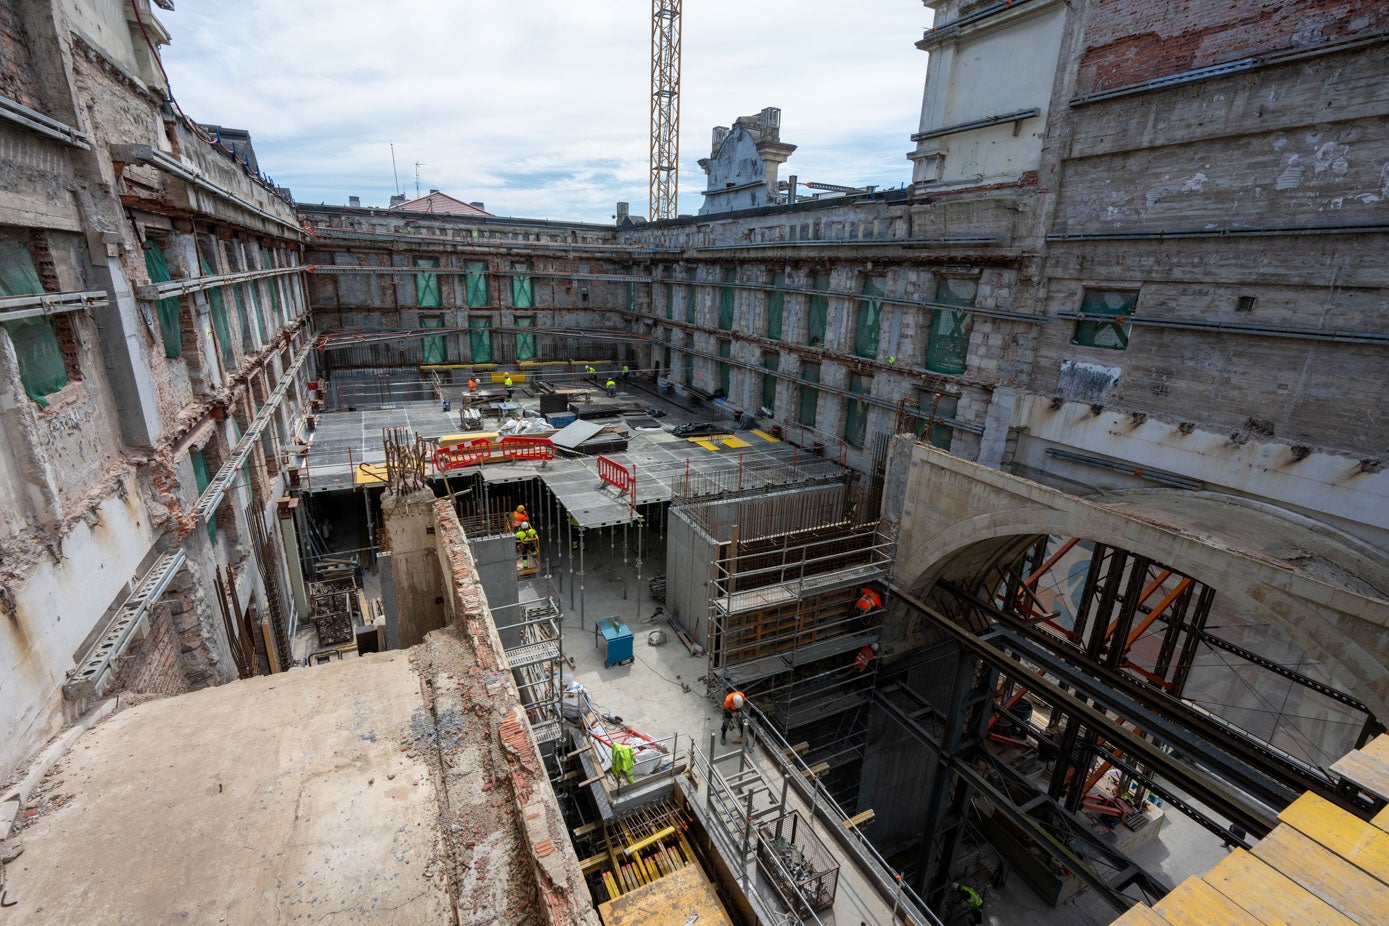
{"points": [[1086, 382]]}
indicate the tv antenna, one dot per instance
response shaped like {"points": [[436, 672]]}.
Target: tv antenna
{"points": [[418, 165], [394, 173]]}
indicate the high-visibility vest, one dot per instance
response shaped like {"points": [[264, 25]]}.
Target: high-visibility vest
{"points": [[612, 383], [869, 600], [530, 535], [508, 382], [472, 385], [623, 761], [728, 704], [971, 897], [865, 656]]}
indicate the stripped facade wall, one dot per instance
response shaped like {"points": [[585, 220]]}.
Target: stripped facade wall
{"points": [[126, 379]]}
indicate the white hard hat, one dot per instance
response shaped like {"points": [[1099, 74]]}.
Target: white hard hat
{"points": [[525, 525], [737, 699]]}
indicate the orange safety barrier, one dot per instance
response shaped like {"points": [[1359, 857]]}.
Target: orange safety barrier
{"points": [[459, 456], [528, 448], [614, 474]]}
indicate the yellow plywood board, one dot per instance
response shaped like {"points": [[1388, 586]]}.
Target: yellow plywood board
{"points": [[706, 444], [1196, 903], [1382, 821], [1324, 873], [1270, 896], [369, 474], [1366, 771], [1363, 845], [765, 436], [1140, 916], [681, 897], [736, 443]]}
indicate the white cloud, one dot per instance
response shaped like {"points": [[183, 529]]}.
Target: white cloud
{"points": [[540, 107]]}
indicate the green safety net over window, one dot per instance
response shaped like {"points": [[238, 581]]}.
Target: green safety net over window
{"points": [[689, 359], [254, 299], [242, 318], [725, 351], [1111, 335], [427, 293], [167, 308], [41, 366], [220, 325], [432, 348], [947, 339], [690, 303], [631, 296], [525, 340], [770, 362], [945, 407], [868, 318], [810, 396], [476, 283], [726, 301], [856, 412], [201, 478], [274, 284], [522, 290], [817, 311], [776, 306], [480, 340], [670, 300]]}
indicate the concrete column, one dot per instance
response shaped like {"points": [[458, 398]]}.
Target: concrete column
{"points": [[289, 534], [418, 585], [998, 419]]}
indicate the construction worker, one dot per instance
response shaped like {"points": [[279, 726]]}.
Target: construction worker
{"points": [[626, 373], [968, 902], [623, 761], [472, 385], [868, 602], [866, 656], [732, 714], [519, 515], [612, 388], [590, 374], [508, 385], [527, 540]]}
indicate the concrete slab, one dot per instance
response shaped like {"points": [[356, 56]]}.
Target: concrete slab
{"points": [[270, 800]]}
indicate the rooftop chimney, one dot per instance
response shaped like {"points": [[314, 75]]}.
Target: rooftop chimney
{"points": [[355, 202], [623, 210], [477, 206], [433, 191], [397, 200]]}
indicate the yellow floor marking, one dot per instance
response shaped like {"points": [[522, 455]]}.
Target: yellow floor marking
{"points": [[706, 444], [735, 442], [765, 436]]}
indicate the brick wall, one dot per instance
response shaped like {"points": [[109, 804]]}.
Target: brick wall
{"points": [[1128, 41], [153, 665], [18, 79]]}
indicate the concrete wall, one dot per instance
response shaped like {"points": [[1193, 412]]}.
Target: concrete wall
{"points": [[689, 570]]}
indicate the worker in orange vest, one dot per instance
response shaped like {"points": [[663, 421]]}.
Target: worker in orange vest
{"points": [[732, 714], [472, 384], [868, 602], [866, 656], [519, 515]]}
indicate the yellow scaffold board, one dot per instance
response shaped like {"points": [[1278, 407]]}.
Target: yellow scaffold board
{"points": [[681, 897], [1321, 865], [737, 443], [369, 474], [706, 444], [765, 436]]}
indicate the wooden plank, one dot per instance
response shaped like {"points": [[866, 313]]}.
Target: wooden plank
{"points": [[737, 443], [799, 749], [678, 898], [1269, 896], [1196, 903], [1378, 749], [1382, 819], [819, 768], [1140, 916], [765, 436], [1325, 874], [1365, 772], [1364, 846], [860, 818]]}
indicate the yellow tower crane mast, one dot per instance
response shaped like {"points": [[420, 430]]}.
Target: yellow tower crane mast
{"points": [[665, 108]]}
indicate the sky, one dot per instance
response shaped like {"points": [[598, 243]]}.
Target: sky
{"points": [[539, 108]]}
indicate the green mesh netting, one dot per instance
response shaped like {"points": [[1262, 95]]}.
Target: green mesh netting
{"points": [[254, 298], [856, 412], [525, 340], [273, 283], [480, 340], [201, 478], [810, 397], [427, 284], [41, 367], [947, 344], [477, 283], [432, 348], [242, 318], [167, 308], [220, 325], [726, 301], [869, 317], [522, 293], [817, 312], [776, 306]]}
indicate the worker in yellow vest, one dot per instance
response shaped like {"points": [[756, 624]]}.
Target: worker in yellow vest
{"points": [[508, 385], [968, 901], [527, 540], [612, 388], [732, 714], [590, 373]]}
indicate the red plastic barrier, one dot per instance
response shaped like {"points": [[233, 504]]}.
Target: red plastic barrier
{"points": [[528, 448], [459, 456], [614, 474]]}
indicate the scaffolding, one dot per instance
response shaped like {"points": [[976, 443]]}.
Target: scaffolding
{"points": [[534, 649]]}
